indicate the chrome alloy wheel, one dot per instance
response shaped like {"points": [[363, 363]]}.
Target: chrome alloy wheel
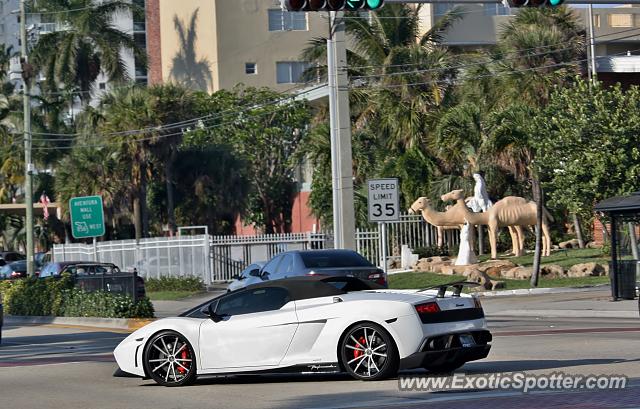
{"points": [[170, 360], [366, 352]]}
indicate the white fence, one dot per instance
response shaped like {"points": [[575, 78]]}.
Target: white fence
{"points": [[219, 258], [153, 257]]}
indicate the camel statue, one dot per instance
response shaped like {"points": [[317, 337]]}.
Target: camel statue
{"points": [[516, 233], [510, 211], [451, 218]]}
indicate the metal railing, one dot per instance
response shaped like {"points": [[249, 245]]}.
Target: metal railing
{"points": [[219, 258]]}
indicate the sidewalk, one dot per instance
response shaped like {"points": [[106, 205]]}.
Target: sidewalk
{"points": [[587, 303]]}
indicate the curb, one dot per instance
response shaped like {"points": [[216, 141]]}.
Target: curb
{"points": [[564, 314], [534, 291], [93, 322]]}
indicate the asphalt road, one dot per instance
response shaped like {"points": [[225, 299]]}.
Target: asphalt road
{"points": [[62, 367]]}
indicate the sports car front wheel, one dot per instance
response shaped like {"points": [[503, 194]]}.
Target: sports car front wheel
{"points": [[169, 359], [368, 353]]}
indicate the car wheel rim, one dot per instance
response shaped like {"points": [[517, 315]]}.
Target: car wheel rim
{"points": [[170, 359], [366, 352]]}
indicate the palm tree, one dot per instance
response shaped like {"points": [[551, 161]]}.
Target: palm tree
{"points": [[172, 104], [122, 110], [87, 44], [403, 75]]}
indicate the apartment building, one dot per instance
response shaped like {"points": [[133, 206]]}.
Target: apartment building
{"points": [[43, 23], [616, 34], [217, 44]]}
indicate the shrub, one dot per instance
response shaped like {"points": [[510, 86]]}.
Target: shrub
{"points": [[432, 251], [78, 303], [58, 297], [167, 283]]}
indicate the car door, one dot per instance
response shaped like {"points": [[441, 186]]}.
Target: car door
{"points": [[256, 330]]}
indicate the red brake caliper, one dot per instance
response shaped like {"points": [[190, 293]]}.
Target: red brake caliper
{"points": [[357, 353], [183, 355]]}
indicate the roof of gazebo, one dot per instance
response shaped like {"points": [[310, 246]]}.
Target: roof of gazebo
{"points": [[620, 204]]}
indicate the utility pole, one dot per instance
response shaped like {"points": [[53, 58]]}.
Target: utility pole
{"points": [[344, 226], [592, 46], [28, 165]]}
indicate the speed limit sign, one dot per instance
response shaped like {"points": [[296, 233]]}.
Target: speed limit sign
{"points": [[384, 200]]}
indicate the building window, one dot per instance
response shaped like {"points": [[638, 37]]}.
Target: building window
{"points": [[620, 20], [442, 8], [289, 72], [250, 68], [596, 20], [102, 85], [280, 20]]}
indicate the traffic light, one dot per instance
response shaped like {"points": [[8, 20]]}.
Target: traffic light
{"points": [[331, 5], [533, 3]]}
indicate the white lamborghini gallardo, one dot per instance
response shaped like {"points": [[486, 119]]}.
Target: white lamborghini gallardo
{"points": [[311, 324]]}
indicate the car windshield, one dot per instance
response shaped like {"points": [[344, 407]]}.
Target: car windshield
{"points": [[334, 259]]}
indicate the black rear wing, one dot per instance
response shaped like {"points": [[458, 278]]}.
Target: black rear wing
{"points": [[457, 287]]}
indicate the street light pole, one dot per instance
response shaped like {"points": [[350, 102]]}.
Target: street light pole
{"points": [[344, 225], [26, 95]]}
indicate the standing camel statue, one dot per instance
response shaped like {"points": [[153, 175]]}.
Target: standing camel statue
{"points": [[516, 233], [510, 211], [452, 218]]}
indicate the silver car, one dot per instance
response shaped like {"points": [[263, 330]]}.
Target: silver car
{"points": [[248, 276]]}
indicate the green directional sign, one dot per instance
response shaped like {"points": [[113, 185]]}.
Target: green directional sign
{"points": [[87, 217]]}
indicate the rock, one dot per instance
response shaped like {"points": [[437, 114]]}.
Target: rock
{"points": [[594, 245], [393, 263], [483, 280], [518, 273], [552, 271], [496, 268], [588, 270], [431, 264], [569, 244]]}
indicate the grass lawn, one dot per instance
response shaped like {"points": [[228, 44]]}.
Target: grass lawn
{"points": [[422, 280], [565, 258], [170, 295]]}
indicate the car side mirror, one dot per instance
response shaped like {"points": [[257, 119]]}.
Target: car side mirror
{"points": [[211, 313]]}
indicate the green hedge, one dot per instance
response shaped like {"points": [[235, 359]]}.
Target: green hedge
{"points": [[58, 297], [166, 283]]}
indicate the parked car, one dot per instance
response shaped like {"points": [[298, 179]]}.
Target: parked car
{"points": [[10, 256], [322, 262], [15, 269], [83, 271], [248, 276]]}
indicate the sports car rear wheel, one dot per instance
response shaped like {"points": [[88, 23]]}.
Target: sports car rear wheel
{"points": [[369, 353], [169, 359]]}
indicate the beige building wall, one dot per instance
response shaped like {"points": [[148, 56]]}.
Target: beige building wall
{"points": [[481, 25], [228, 35]]}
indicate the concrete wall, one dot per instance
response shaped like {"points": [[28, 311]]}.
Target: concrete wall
{"points": [[228, 34]]}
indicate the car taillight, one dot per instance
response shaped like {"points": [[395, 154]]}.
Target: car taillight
{"points": [[15, 274], [378, 278], [427, 308]]}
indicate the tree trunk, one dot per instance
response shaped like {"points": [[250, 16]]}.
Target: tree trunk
{"points": [[144, 211], [168, 175], [137, 218], [578, 228], [537, 195]]}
